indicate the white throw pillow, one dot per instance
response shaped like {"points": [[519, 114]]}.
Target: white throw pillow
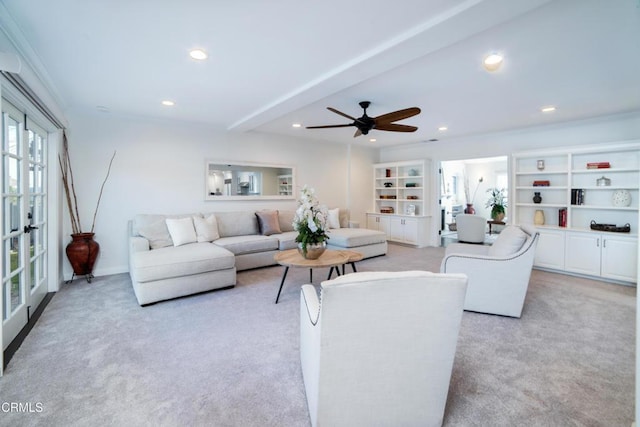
{"points": [[206, 228], [181, 230], [334, 218], [509, 241]]}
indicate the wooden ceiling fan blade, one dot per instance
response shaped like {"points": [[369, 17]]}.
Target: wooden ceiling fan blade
{"points": [[330, 126], [342, 114], [393, 127], [397, 115]]}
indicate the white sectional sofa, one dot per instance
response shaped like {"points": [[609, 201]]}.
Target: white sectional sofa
{"points": [[177, 255]]}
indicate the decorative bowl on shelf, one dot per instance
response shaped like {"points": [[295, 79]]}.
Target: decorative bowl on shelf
{"points": [[603, 182], [621, 198]]}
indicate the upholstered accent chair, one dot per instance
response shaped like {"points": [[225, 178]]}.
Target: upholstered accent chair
{"points": [[471, 228], [498, 274], [377, 348]]}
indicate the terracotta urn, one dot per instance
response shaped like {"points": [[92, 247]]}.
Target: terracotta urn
{"points": [[82, 252]]}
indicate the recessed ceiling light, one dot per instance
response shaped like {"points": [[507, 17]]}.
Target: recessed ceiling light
{"points": [[492, 61], [548, 109], [442, 128], [372, 140], [168, 103], [198, 54], [296, 125]]}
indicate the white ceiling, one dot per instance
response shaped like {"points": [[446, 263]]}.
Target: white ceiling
{"points": [[273, 63]]}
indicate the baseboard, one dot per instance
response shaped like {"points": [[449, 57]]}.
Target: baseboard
{"points": [[19, 339]]}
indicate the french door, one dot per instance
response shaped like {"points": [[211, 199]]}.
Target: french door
{"points": [[24, 220]]}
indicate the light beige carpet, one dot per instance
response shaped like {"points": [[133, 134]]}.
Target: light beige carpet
{"points": [[231, 357]]}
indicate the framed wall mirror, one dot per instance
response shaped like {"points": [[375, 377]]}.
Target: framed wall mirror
{"points": [[229, 180]]}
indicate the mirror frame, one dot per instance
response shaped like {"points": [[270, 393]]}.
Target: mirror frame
{"points": [[209, 197]]}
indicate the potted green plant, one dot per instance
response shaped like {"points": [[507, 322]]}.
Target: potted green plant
{"points": [[497, 203]]}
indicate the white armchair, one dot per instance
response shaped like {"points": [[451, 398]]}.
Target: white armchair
{"points": [[378, 347], [471, 228], [498, 274]]}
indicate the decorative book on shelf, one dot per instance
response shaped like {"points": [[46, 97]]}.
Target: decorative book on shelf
{"points": [[577, 196], [562, 217], [386, 209], [598, 165], [541, 183]]}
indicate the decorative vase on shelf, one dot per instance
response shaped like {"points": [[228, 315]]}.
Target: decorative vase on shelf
{"points": [[82, 252], [469, 209], [538, 217], [537, 198], [312, 251]]}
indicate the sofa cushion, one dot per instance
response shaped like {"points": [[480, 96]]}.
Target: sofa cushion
{"points": [[287, 240], [248, 244], [509, 241], [285, 218], [353, 237], [153, 227], [181, 231], [344, 218], [206, 228], [268, 223], [333, 219], [237, 223], [179, 261]]}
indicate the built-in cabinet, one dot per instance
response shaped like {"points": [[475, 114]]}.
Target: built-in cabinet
{"points": [[577, 187], [401, 202]]}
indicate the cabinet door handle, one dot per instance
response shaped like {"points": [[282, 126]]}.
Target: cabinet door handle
{"points": [[604, 243], [598, 242]]}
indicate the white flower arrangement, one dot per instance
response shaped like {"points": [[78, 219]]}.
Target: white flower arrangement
{"points": [[310, 220]]}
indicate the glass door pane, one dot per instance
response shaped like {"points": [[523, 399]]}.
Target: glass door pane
{"points": [[24, 224]]}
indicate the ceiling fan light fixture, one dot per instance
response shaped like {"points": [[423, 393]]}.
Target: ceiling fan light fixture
{"points": [[198, 54], [492, 62]]}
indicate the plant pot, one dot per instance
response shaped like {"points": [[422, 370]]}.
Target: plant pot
{"points": [[497, 216], [313, 251], [82, 252]]}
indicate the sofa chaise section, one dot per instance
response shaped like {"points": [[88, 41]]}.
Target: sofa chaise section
{"points": [[171, 272]]}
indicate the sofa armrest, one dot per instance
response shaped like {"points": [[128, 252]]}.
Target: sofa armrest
{"points": [[138, 244], [309, 298]]}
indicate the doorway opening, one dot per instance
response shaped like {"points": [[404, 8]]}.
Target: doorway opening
{"points": [[470, 182]]}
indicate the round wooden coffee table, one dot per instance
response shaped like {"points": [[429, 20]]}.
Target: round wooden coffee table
{"points": [[291, 258]]}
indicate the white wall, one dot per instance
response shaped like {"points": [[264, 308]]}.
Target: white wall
{"points": [[160, 168]]}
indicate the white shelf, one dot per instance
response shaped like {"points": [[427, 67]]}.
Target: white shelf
{"points": [[564, 248]]}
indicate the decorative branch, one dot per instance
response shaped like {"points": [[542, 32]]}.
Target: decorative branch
{"points": [[64, 159], [93, 224], [69, 188]]}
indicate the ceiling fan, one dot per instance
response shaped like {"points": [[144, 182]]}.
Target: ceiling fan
{"points": [[383, 122]]}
